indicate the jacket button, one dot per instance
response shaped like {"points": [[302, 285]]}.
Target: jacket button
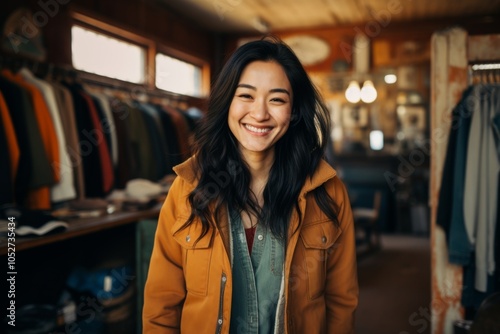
{"points": [[260, 237], [323, 239], [219, 321], [188, 238]]}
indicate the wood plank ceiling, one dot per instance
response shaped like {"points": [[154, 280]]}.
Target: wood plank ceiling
{"points": [[244, 16]]}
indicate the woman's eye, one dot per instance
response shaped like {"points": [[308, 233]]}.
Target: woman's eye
{"points": [[277, 99], [245, 96]]}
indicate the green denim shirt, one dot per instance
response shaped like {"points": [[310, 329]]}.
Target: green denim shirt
{"points": [[257, 279]]}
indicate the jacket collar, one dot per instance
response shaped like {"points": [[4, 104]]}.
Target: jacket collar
{"points": [[323, 173], [186, 170]]}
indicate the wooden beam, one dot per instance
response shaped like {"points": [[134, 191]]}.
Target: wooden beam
{"points": [[484, 48]]}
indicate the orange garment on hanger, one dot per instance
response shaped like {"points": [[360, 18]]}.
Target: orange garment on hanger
{"points": [[40, 198], [14, 152], [44, 120]]}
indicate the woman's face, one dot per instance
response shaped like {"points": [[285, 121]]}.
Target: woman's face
{"points": [[260, 111]]}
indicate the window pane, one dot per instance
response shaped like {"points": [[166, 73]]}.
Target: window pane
{"points": [[177, 76], [100, 54]]}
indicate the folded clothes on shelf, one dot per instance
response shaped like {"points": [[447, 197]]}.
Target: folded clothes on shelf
{"points": [[30, 222], [139, 194], [85, 208]]}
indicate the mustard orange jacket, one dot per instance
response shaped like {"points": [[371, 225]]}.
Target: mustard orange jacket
{"points": [[189, 285]]}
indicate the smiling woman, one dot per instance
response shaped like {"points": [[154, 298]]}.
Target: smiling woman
{"points": [[260, 112], [257, 171]]}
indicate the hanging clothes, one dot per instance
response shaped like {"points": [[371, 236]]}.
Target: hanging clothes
{"points": [[63, 140], [109, 126], [6, 184], [97, 137], [169, 129], [181, 130], [10, 137], [65, 102], [125, 166], [95, 153], [37, 142], [10, 163], [64, 189], [44, 121], [468, 208], [158, 140], [481, 183], [142, 148], [450, 215]]}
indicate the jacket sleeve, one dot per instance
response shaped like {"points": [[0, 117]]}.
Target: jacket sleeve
{"points": [[165, 288], [342, 281]]}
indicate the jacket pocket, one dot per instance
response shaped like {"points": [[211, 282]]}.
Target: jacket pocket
{"points": [[197, 255], [317, 238]]}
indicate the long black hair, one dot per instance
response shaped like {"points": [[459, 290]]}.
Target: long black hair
{"points": [[224, 178]]}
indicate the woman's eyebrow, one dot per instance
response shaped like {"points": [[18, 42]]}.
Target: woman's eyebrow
{"points": [[274, 90], [246, 86], [279, 90]]}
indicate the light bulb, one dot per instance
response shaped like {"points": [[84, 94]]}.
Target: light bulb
{"points": [[390, 79], [353, 93], [368, 92]]}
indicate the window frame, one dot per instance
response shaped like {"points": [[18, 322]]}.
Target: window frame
{"points": [[151, 47], [184, 57]]}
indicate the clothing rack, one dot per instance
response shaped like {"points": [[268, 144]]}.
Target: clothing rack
{"points": [[61, 113], [488, 73], [453, 54], [135, 91]]}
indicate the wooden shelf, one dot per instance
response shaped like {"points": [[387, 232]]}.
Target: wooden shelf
{"points": [[78, 227]]}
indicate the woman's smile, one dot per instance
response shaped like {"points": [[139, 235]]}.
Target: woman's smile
{"points": [[257, 130]]}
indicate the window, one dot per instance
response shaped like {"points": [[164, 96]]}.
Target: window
{"points": [[106, 50], [177, 76], [104, 55]]}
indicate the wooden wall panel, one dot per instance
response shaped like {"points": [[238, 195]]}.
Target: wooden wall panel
{"points": [[146, 18], [155, 21], [484, 48]]}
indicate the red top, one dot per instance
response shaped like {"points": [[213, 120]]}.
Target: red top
{"points": [[250, 234]]}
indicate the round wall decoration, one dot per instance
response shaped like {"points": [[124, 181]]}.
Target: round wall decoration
{"points": [[309, 49]]}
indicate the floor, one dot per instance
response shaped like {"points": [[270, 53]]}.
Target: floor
{"points": [[395, 287]]}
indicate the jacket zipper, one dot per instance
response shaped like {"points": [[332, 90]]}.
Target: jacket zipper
{"points": [[221, 303]]}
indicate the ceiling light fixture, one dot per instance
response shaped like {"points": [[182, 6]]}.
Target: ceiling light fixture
{"points": [[353, 92], [368, 92]]}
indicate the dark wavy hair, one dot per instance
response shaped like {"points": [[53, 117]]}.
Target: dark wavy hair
{"points": [[224, 178]]}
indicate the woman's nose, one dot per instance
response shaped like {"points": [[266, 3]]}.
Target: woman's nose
{"points": [[259, 111]]}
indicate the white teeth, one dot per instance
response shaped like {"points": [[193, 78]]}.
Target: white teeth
{"points": [[258, 130]]}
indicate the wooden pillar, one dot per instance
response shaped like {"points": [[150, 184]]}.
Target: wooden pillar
{"points": [[448, 81]]}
